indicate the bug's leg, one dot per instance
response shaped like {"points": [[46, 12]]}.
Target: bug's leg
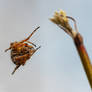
{"points": [[17, 66], [36, 50], [7, 49], [30, 35], [31, 43], [30, 46]]}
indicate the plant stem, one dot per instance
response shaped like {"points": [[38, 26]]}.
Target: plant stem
{"points": [[62, 21], [84, 57]]}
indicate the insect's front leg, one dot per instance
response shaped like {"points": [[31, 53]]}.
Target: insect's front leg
{"points": [[31, 43], [30, 35], [7, 49]]}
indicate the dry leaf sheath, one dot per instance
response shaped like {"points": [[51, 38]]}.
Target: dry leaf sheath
{"points": [[62, 21]]}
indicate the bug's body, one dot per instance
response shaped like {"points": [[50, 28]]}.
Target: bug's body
{"points": [[22, 51]]}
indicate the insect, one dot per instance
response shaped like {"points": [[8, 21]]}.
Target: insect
{"points": [[22, 51]]}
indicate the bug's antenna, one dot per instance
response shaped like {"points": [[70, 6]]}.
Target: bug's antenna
{"points": [[33, 32], [15, 69], [30, 35]]}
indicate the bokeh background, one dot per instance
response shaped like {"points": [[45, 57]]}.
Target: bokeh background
{"points": [[56, 67]]}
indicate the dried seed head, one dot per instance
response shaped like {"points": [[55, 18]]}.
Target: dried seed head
{"points": [[62, 21], [60, 18]]}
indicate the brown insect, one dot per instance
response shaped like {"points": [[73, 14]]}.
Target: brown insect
{"points": [[21, 51]]}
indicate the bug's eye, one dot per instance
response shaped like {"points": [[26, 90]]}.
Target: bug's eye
{"points": [[11, 43]]}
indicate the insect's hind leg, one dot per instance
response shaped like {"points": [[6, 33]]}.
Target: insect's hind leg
{"points": [[17, 66], [30, 35]]}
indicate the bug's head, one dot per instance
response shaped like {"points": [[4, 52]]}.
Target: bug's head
{"points": [[12, 44]]}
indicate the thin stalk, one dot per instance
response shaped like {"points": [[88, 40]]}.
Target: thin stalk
{"points": [[84, 57], [62, 21]]}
